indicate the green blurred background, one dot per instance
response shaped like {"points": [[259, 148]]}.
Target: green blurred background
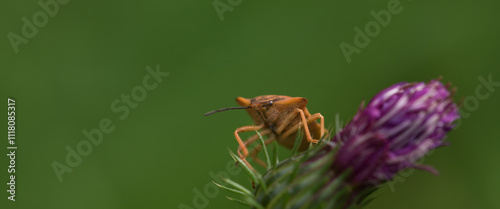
{"points": [[66, 77]]}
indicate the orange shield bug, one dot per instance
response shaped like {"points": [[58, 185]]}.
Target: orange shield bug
{"points": [[279, 118]]}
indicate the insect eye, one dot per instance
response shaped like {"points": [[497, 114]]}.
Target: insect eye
{"points": [[267, 104]]}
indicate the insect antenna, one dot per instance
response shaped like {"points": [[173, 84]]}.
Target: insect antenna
{"points": [[224, 109]]}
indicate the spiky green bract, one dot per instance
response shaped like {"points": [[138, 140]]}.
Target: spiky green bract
{"points": [[307, 181], [244, 195], [302, 181]]}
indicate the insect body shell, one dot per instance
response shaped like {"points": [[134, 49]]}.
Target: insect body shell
{"points": [[274, 110]]}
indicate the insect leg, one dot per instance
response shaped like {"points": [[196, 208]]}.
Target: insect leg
{"points": [[252, 139], [311, 119], [242, 145], [322, 121], [287, 121], [258, 148], [306, 127]]}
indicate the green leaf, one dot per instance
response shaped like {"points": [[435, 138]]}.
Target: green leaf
{"points": [[264, 148], [237, 186], [252, 174], [275, 160], [296, 145], [236, 191], [247, 201]]}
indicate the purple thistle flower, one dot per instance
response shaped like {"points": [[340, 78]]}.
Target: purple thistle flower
{"points": [[398, 126]]}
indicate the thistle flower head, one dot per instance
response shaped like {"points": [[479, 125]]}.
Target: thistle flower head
{"points": [[398, 126]]}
